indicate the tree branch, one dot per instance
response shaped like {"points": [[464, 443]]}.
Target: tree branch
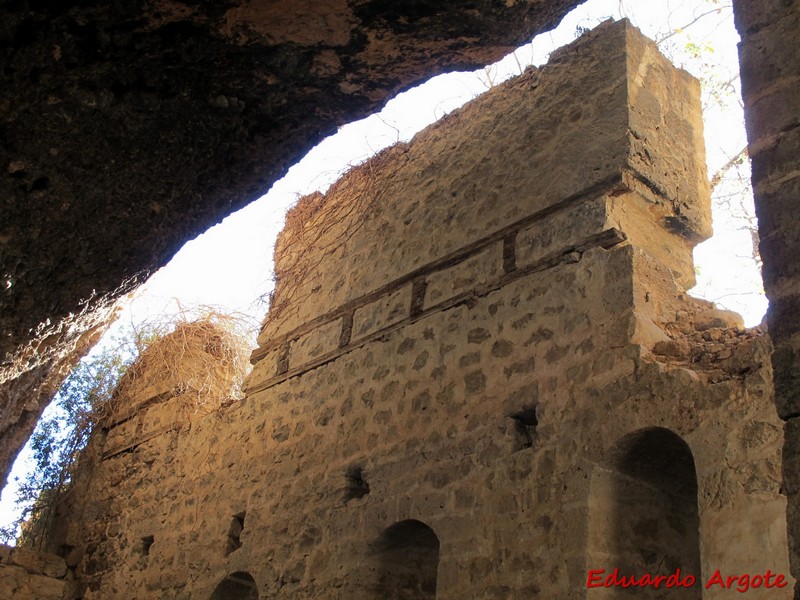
{"points": [[736, 160], [678, 30]]}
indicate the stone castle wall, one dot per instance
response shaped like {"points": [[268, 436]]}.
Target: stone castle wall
{"points": [[481, 376]]}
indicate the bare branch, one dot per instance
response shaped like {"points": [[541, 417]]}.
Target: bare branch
{"points": [[678, 30], [736, 160]]}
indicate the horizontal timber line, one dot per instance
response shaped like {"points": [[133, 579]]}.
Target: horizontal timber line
{"points": [[617, 184], [567, 255], [605, 239]]}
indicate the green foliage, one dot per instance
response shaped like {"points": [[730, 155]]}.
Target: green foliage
{"points": [[696, 50], [59, 437], [85, 397]]}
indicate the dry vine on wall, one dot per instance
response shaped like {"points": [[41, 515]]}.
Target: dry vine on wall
{"points": [[205, 360]]}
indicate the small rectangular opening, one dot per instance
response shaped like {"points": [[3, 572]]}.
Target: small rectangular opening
{"points": [[147, 542], [357, 486], [235, 532]]}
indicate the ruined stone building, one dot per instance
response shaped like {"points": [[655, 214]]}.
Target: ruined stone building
{"points": [[481, 377]]}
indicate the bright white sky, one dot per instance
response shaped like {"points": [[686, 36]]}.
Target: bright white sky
{"points": [[230, 266]]}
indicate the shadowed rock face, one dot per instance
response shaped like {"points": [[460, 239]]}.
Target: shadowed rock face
{"points": [[130, 127]]}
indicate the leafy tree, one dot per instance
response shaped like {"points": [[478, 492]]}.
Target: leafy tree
{"points": [[59, 437], [85, 397]]}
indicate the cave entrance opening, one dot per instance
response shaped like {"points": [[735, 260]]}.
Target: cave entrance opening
{"points": [[251, 231]]}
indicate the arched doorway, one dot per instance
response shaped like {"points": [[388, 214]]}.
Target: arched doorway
{"points": [[236, 586], [406, 562], [644, 515]]}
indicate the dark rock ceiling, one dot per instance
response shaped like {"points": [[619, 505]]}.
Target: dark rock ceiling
{"points": [[129, 127]]}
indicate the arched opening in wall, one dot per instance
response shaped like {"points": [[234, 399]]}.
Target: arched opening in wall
{"points": [[644, 514], [236, 586], [405, 562]]}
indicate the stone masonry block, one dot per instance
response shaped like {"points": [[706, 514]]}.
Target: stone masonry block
{"points": [[121, 435], [40, 563], [779, 251], [265, 369], [567, 227], [317, 342], [773, 112], [382, 312], [776, 206], [666, 135], [482, 268], [784, 317], [46, 588], [146, 393], [164, 415], [775, 163], [770, 54], [785, 360], [633, 213]]}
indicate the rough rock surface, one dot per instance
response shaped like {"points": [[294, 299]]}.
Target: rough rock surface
{"points": [[769, 55], [128, 128], [31, 575]]}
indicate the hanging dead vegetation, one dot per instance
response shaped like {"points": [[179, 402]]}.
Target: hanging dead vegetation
{"points": [[320, 226], [204, 362], [200, 359]]}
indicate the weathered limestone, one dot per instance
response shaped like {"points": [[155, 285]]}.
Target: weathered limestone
{"points": [[769, 55], [481, 377], [30, 575]]}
